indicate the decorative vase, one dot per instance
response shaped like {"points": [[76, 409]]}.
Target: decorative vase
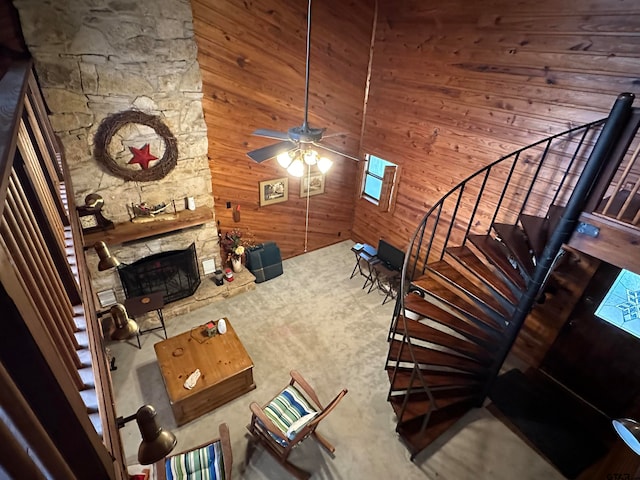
{"points": [[236, 263]]}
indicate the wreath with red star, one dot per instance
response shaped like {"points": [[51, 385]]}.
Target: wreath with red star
{"points": [[110, 126]]}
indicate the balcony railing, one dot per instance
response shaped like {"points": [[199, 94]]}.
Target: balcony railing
{"points": [[57, 396]]}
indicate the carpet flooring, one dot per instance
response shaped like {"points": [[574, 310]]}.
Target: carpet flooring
{"points": [[315, 319]]}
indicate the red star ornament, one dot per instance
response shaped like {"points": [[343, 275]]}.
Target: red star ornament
{"points": [[141, 156]]}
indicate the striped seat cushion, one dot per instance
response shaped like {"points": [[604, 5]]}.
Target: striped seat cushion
{"points": [[288, 407], [204, 463]]}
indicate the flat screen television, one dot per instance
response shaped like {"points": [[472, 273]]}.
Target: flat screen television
{"points": [[392, 257]]}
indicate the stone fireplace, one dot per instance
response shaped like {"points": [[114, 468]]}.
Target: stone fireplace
{"points": [[100, 59], [174, 273]]}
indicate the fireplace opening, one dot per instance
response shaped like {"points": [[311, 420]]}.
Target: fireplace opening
{"points": [[174, 273]]}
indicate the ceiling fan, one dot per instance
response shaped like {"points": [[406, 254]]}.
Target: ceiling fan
{"points": [[296, 146]]}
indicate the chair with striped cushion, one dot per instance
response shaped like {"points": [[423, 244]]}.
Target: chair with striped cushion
{"points": [[288, 419], [210, 461]]}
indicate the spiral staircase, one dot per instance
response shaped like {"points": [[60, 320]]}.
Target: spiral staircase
{"points": [[479, 262]]}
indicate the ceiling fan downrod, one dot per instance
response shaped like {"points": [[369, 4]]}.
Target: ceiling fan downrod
{"points": [[305, 123]]}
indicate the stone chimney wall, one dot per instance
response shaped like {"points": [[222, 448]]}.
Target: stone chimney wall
{"points": [[94, 59]]}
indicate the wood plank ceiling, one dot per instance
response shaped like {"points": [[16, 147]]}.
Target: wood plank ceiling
{"points": [[454, 85]]}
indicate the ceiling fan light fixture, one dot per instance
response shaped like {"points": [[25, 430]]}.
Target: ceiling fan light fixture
{"points": [[285, 159], [324, 164], [297, 139], [310, 157], [296, 169]]}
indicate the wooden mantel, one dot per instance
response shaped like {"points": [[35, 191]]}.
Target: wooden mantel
{"points": [[130, 231]]}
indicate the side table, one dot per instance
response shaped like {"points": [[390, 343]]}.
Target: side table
{"points": [[365, 254], [386, 280], [142, 304]]}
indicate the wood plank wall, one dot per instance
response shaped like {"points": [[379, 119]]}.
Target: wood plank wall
{"points": [[252, 58], [457, 84]]}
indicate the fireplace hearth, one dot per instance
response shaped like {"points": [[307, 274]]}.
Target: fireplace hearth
{"points": [[173, 273]]}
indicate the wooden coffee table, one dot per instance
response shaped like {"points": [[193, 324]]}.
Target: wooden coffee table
{"points": [[225, 367]]}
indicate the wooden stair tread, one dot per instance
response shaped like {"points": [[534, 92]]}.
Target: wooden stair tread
{"points": [[518, 244], [465, 257], [443, 271], [400, 378], [555, 212], [440, 421], [536, 229], [417, 304], [493, 251], [419, 403], [430, 356], [465, 307], [418, 330]]}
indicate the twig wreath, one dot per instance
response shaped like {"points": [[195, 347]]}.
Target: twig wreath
{"points": [[110, 126]]}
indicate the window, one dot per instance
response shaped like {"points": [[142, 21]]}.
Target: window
{"points": [[379, 180], [621, 305]]}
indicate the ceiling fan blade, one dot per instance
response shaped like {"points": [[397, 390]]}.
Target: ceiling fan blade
{"points": [[335, 134], [264, 132], [265, 153], [337, 152]]}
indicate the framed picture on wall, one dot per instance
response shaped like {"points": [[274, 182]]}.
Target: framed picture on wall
{"points": [[274, 191], [312, 184]]}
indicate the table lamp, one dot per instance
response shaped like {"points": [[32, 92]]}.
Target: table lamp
{"points": [[629, 431]]}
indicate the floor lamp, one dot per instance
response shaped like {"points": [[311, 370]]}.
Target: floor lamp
{"points": [[107, 261]]}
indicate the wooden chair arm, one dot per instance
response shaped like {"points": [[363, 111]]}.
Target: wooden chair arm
{"points": [[227, 455], [266, 422], [296, 377], [161, 473]]}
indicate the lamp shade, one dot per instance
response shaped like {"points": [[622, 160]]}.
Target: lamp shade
{"points": [[125, 326], [296, 168], [324, 164], [106, 260], [156, 442], [284, 159], [629, 431]]}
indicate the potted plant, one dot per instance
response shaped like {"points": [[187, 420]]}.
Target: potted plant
{"points": [[235, 244]]}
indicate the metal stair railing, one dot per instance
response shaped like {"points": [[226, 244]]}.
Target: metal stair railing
{"points": [[558, 170]]}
